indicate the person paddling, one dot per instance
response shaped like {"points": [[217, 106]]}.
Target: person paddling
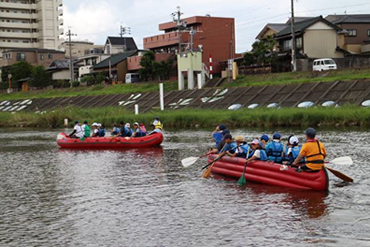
{"points": [[95, 129], [258, 152], [217, 134], [242, 148], [313, 151], [137, 131], [264, 141], [115, 130], [229, 147], [77, 131]]}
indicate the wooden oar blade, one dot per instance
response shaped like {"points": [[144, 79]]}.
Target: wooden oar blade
{"points": [[340, 175], [207, 172], [189, 161], [346, 160]]}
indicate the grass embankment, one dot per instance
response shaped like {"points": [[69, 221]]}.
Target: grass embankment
{"points": [[286, 117], [93, 90], [299, 77]]}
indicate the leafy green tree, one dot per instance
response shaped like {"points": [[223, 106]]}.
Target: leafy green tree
{"points": [[162, 70], [40, 78], [146, 63], [20, 70], [262, 52]]}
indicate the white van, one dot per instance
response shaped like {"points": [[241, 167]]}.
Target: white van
{"points": [[132, 77], [324, 64]]}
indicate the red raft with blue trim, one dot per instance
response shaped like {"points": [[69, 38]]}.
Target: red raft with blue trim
{"points": [[152, 140], [270, 173]]}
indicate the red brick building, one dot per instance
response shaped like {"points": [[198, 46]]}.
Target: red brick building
{"points": [[216, 35]]}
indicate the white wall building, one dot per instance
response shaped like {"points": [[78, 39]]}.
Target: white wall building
{"points": [[30, 24]]}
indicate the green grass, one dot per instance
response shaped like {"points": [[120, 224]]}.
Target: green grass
{"points": [[94, 90], [286, 117], [299, 77]]}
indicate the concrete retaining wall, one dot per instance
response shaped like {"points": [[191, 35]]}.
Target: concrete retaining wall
{"points": [[341, 92]]}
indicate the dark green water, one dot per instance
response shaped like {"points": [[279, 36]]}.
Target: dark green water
{"points": [[53, 197]]}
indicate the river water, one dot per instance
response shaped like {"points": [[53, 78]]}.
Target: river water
{"points": [[53, 197]]}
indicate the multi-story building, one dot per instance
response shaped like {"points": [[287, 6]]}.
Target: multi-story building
{"points": [[215, 35], [81, 48], [34, 57], [30, 24]]}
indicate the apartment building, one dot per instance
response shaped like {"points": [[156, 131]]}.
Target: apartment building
{"points": [[81, 48], [26, 24]]}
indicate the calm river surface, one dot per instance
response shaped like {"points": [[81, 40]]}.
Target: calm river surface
{"points": [[53, 197]]}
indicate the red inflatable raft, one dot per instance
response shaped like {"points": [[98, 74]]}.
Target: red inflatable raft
{"points": [[110, 142], [270, 173]]}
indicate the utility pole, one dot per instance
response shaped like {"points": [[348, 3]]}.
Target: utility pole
{"points": [[124, 31], [71, 69], [179, 24], [294, 56]]}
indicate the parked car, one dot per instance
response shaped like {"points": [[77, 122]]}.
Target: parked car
{"points": [[324, 64], [132, 77]]}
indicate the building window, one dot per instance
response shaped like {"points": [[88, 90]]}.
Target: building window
{"points": [[352, 32], [368, 33], [21, 56], [50, 56], [42, 56]]}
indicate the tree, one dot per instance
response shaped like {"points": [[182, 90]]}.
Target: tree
{"points": [[162, 69], [20, 70], [40, 78], [146, 63], [262, 52]]}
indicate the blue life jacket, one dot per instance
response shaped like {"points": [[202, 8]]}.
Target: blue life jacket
{"points": [[101, 133], [217, 137], [263, 155], [294, 154], [243, 150], [115, 131], [274, 151], [130, 132], [231, 147], [138, 133]]}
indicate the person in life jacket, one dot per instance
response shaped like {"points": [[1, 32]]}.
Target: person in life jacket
{"points": [[101, 131], [130, 131], [275, 149], [115, 130], [77, 131], [229, 146], [123, 130], [293, 149], [143, 129], [137, 131], [86, 128], [258, 153], [264, 140], [217, 134], [157, 125], [313, 151], [242, 149], [221, 144]]}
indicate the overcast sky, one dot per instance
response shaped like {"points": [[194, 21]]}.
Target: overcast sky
{"points": [[96, 19]]}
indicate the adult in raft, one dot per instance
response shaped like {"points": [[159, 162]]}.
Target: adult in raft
{"points": [[217, 135], [313, 151], [77, 131]]}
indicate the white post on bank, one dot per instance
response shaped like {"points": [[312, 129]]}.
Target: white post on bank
{"points": [[65, 122], [136, 109], [161, 96]]}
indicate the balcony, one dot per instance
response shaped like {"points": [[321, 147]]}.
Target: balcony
{"points": [[60, 22], [18, 6], [19, 25], [19, 35], [59, 3], [60, 12], [13, 45], [19, 15], [163, 40]]}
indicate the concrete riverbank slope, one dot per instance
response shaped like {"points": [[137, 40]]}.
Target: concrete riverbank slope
{"points": [[340, 92]]}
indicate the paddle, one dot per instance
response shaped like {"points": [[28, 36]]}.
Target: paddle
{"points": [[191, 160], [207, 173], [341, 161], [339, 175], [346, 160], [242, 181]]}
